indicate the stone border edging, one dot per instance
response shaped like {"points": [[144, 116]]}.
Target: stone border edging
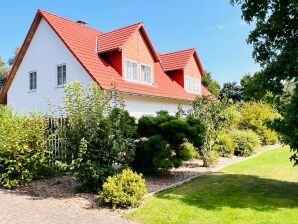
{"points": [[262, 150]]}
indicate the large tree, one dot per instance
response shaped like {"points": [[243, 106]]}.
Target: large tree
{"points": [[211, 84], [232, 90], [275, 39]]}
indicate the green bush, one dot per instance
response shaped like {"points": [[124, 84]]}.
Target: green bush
{"points": [[161, 141], [188, 151], [126, 189], [23, 148], [255, 116], [225, 145], [99, 134], [212, 158], [247, 142]]}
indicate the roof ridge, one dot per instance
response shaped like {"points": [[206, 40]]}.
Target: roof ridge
{"points": [[88, 27], [174, 52], [139, 23]]}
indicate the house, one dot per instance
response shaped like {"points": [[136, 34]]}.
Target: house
{"points": [[57, 51]]}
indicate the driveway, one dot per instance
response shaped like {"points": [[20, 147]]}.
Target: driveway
{"points": [[18, 208]]}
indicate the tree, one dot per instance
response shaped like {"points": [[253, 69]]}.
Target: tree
{"points": [[212, 115], [232, 90], [211, 84], [274, 40], [13, 58], [3, 73]]}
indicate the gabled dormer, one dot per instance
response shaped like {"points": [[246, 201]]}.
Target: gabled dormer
{"points": [[185, 68], [130, 52]]}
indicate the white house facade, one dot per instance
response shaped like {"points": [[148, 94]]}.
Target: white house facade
{"points": [[57, 51]]}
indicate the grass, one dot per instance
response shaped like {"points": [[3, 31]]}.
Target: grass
{"points": [[263, 189]]}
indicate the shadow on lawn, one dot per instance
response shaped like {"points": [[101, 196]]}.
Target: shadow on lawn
{"points": [[217, 190]]}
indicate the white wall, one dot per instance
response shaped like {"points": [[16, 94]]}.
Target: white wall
{"points": [[45, 52], [143, 105]]}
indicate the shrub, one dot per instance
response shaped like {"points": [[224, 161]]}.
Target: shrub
{"points": [[212, 115], [126, 189], [225, 145], [255, 116], [23, 148], [98, 135], [161, 144], [188, 151], [247, 142], [212, 158]]}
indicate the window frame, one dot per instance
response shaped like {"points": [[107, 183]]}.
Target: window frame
{"points": [[32, 89], [191, 87], [125, 70], [64, 79], [152, 74]]}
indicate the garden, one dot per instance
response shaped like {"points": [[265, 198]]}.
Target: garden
{"points": [[118, 158]]}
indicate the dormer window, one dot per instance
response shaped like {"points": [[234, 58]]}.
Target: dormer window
{"points": [[131, 71], [146, 74], [192, 85]]}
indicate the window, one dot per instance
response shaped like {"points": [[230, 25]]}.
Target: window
{"points": [[192, 85], [61, 75], [32, 80], [146, 74], [131, 71]]}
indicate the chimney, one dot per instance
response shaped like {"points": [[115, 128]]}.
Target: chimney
{"points": [[81, 22]]}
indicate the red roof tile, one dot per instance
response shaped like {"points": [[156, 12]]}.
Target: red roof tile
{"points": [[81, 41], [175, 60]]}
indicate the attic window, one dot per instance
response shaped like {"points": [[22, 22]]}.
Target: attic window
{"points": [[131, 71], [192, 85], [146, 74], [61, 75]]}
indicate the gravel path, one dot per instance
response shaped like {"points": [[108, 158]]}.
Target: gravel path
{"points": [[17, 208]]}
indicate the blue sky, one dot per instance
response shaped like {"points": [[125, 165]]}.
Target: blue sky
{"points": [[213, 27]]}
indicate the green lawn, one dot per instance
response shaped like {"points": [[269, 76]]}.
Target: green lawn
{"points": [[260, 190]]}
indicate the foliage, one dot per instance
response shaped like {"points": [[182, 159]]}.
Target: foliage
{"points": [[232, 90], [188, 151], [211, 114], [247, 142], [255, 116], [275, 47], [211, 84], [3, 72], [225, 145], [233, 117], [13, 58], [162, 137], [97, 135], [23, 148], [288, 126], [212, 158], [126, 189], [259, 190]]}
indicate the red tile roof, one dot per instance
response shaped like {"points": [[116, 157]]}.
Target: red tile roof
{"points": [[81, 41], [175, 60]]}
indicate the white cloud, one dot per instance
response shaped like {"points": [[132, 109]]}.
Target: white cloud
{"points": [[220, 27]]}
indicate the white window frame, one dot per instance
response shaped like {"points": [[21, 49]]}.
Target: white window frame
{"points": [[125, 70], [192, 84], [32, 89], [57, 78], [152, 74]]}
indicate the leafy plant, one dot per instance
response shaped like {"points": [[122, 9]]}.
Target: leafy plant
{"points": [[162, 139], [99, 134], [211, 113], [225, 145], [126, 189], [23, 148], [247, 142]]}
